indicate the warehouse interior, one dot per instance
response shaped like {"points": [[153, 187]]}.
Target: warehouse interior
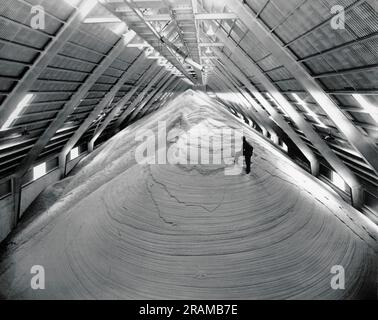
{"points": [[80, 78]]}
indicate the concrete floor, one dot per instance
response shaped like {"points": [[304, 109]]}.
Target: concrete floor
{"points": [[122, 230]]}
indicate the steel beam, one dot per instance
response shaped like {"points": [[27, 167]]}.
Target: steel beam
{"points": [[173, 90], [120, 104], [163, 40], [242, 106], [362, 144], [228, 104], [216, 16], [105, 102], [44, 59], [199, 73], [233, 86], [150, 96], [344, 72], [277, 117], [180, 17], [227, 86], [140, 97], [178, 86], [316, 140], [340, 47], [265, 123], [68, 108], [158, 94]]}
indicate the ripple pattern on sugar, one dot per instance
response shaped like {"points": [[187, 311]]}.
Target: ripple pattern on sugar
{"points": [[129, 231]]}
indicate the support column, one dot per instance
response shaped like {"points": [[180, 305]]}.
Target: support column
{"points": [[157, 96], [45, 58], [141, 96], [338, 165], [362, 144], [150, 96], [281, 122], [123, 101], [70, 106], [106, 101], [251, 104]]}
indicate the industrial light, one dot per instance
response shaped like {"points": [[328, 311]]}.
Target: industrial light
{"points": [[208, 51], [23, 103], [39, 171], [367, 106]]}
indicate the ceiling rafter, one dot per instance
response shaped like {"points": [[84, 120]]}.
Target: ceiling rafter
{"points": [[317, 141], [222, 73], [68, 108], [120, 104], [105, 102], [157, 96], [172, 58], [263, 115], [150, 95], [277, 117], [140, 97], [34, 71], [177, 87], [243, 109], [200, 74], [361, 143]]}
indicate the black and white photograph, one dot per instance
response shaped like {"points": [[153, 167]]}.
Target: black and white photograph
{"points": [[200, 152]]}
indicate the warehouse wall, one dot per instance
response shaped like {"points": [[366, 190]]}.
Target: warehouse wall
{"points": [[30, 192]]}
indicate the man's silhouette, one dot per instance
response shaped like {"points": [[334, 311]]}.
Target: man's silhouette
{"points": [[247, 153]]}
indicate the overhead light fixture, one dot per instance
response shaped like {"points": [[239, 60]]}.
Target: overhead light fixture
{"points": [[367, 106], [208, 51], [23, 103]]}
